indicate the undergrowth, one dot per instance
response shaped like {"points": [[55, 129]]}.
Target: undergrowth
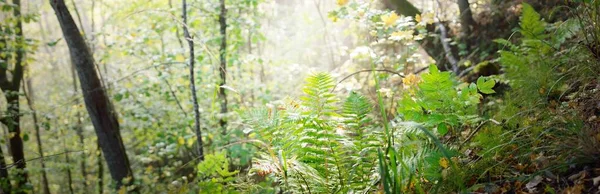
{"points": [[447, 136]]}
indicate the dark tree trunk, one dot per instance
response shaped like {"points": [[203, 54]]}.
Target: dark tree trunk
{"points": [[4, 179], [99, 107], [11, 90], [100, 170], [30, 96], [190, 42], [466, 17], [223, 67]]}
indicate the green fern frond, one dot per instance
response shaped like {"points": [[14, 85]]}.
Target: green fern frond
{"points": [[318, 96], [532, 26], [355, 110]]}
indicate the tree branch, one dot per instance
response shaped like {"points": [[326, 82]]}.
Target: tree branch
{"points": [[365, 70]]}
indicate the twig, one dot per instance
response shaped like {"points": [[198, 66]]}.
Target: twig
{"points": [[38, 158], [365, 70]]}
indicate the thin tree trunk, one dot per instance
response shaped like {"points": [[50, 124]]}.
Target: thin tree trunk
{"points": [[68, 162], [30, 97], [100, 170], [4, 179], [223, 67], [190, 42], [99, 106], [79, 130]]}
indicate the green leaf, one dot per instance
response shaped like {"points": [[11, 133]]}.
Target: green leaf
{"points": [[53, 43], [485, 85], [25, 137], [531, 23], [442, 129], [433, 69], [118, 97]]}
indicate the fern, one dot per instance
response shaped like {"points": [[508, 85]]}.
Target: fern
{"points": [[318, 97], [363, 147], [214, 174], [355, 110], [531, 24]]}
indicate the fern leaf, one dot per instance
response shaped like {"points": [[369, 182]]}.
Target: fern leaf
{"points": [[532, 26]]}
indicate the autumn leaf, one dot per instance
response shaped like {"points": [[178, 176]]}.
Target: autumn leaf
{"points": [[411, 80], [444, 162]]}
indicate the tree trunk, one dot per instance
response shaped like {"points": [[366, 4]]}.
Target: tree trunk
{"points": [[99, 107], [466, 19], [190, 42], [4, 179], [100, 170], [68, 168], [11, 93], [30, 97], [79, 129], [223, 67]]}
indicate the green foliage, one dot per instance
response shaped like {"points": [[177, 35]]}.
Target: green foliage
{"points": [[316, 146], [214, 174], [440, 102], [531, 24]]}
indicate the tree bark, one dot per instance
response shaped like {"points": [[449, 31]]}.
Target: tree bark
{"points": [[11, 90], [223, 67], [100, 169], [99, 107], [466, 19], [4, 179], [30, 97], [190, 42]]}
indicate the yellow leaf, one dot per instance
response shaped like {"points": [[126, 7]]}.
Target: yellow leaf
{"points": [[123, 190], [181, 140], [444, 162], [190, 142], [342, 2], [149, 169], [179, 58], [411, 80], [333, 18], [390, 19]]}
